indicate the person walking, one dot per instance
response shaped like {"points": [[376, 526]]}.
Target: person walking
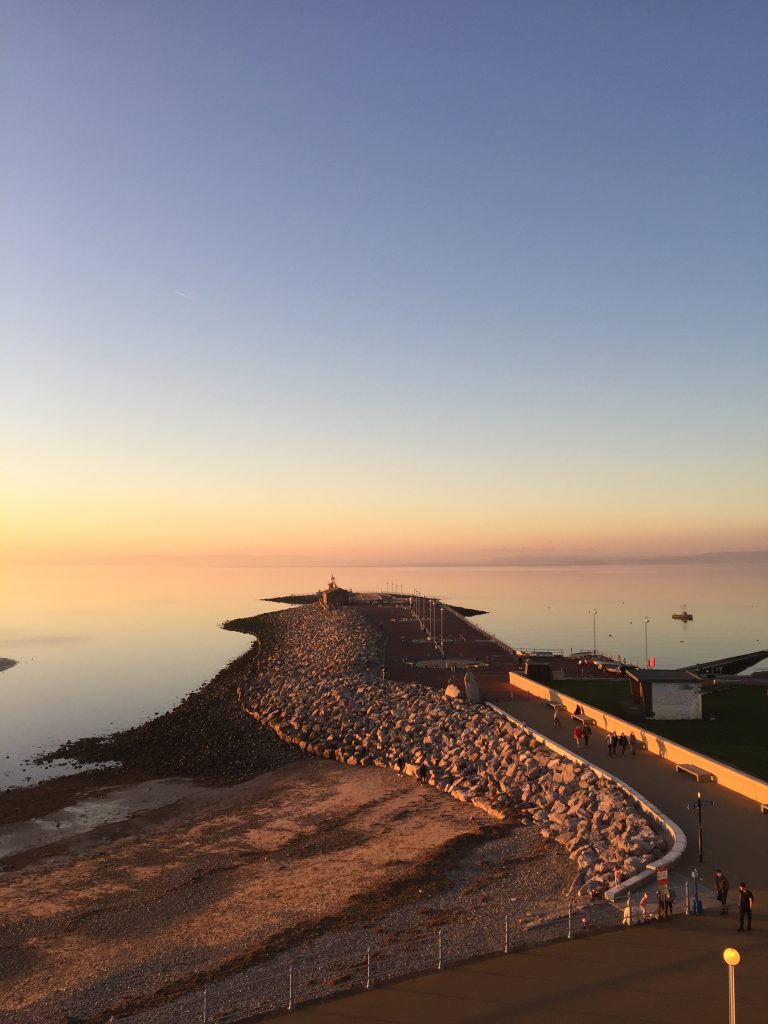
{"points": [[556, 718], [614, 743], [587, 732], [721, 888], [609, 742], [632, 744], [623, 743], [578, 732], [643, 903], [746, 899]]}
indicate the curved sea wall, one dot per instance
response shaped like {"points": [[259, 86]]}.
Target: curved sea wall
{"points": [[723, 774], [319, 687]]}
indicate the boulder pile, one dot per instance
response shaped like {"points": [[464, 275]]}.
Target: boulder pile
{"points": [[319, 687]]}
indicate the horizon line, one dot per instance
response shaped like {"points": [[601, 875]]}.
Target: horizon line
{"points": [[245, 561]]}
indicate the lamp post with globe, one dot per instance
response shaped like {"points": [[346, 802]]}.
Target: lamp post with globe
{"points": [[732, 958]]}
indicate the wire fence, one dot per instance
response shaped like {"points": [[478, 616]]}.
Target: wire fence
{"points": [[295, 977]]}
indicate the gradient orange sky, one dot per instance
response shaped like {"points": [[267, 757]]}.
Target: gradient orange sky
{"points": [[287, 286]]}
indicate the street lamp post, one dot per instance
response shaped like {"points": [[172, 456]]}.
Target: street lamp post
{"points": [[647, 620], [593, 613], [732, 957]]}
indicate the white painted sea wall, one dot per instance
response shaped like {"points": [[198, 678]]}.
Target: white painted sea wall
{"points": [[725, 775]]}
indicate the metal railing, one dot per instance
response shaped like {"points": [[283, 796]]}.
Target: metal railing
{"points": [[298, 977]]}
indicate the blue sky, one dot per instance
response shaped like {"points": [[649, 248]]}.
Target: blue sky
{"points": [[453, 274]]}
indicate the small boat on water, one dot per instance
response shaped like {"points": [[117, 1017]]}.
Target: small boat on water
{"points": [[683, 615]]}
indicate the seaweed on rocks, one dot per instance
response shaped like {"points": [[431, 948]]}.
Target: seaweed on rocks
{"points": [[206, 736]]}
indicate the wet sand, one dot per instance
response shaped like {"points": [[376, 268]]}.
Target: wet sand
{"points": [[168, 897]]}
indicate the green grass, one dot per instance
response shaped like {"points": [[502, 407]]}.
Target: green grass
{"points": [[611, 695], [734, 728]]}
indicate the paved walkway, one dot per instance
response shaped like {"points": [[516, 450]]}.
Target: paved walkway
{"points": [[670, 973], [662, 973], [735, 833]]}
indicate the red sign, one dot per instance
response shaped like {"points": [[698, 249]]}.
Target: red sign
{"points": [[662, 877], [651, 663]]}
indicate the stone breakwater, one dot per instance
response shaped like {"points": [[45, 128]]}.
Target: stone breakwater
{"points": [[319, 687]]}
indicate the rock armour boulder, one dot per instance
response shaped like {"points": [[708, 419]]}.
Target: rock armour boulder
{"points": [[319, 689]]}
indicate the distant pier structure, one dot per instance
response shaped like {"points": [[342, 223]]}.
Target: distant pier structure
{"points": [[335, 596]]}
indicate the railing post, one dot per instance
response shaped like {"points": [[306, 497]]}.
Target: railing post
{"points": [[506, 933], [687, 900], [629, 910], [369, 979], [570, 914], [205, 1005], [290, 986], [439, 949]]}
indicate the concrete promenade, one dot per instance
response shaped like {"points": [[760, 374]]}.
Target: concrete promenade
{"points": [[658, 972], [735, 833], [670, 973]]}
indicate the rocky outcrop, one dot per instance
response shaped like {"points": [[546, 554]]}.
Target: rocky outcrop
{"points": [[319, 688]]}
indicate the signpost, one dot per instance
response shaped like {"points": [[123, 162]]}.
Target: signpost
{"points": [[697, 908], [662, 893], [696, 805]]}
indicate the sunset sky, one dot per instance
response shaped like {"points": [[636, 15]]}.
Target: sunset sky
{"points": [[399, 280]]}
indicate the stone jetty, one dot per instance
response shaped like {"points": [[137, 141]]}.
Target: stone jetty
{"points": [[318, 686]]}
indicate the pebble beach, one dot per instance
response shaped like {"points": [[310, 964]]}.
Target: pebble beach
{"points": [[332, 808]]}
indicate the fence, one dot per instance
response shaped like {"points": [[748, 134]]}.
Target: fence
{"points": [[299, 977]]}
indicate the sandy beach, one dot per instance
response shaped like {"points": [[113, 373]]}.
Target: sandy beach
{"points": [[159, 902], [218, 848]]}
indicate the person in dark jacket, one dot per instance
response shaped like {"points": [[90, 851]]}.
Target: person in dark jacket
{"points": [[746, 899], [721, 887]]}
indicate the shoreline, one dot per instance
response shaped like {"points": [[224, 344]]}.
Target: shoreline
{"points": [[283, 854], [312, 859]]}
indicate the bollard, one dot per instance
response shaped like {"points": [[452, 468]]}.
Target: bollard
{"points": [[687, 900], [440, 949], [570, 912], [290, 986], [506, 933], [205, 1005], [369, 979]]}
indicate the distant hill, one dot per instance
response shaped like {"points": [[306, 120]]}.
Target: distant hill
{"points": [[706, 558]]}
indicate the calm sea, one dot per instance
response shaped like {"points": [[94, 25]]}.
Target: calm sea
{"points": [[100, 648]]}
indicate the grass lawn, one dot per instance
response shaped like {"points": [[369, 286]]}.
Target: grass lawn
{"points": [[609, 694], [734, 728]]}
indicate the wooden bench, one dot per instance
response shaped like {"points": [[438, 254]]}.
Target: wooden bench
{"points": [[764, 808], [700, 774], [555, 705]]}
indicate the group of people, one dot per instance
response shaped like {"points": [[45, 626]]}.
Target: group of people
{"points": [[746, 899], [620, 741], [583, 731]]}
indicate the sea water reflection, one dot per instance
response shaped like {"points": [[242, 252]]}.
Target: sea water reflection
{"points": [[100, 648]]}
